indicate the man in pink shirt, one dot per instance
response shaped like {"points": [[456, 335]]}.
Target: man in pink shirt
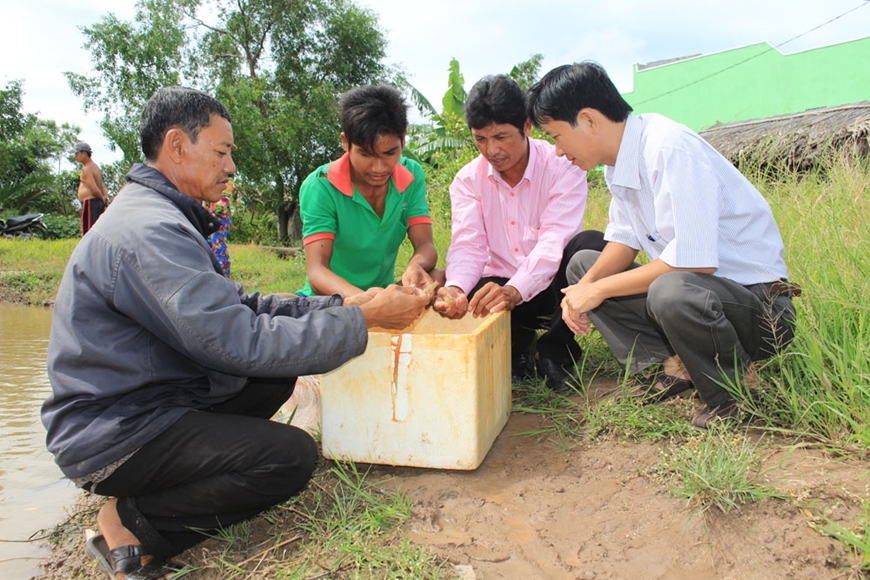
{"points": [[517, 213]]}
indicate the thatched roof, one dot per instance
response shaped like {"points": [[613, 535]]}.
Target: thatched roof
{"points": [[801, 140]]}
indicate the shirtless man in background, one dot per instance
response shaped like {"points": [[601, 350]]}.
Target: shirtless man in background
{"points": [[92, 192]]}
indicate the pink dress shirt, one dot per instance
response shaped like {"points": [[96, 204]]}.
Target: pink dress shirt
{"points": [[516, 233]]}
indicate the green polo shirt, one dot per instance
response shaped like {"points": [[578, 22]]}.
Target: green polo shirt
{"points": [[364, 246]]}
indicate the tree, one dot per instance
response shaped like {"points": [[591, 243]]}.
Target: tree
{"points": [[131, 60], [527, 72], [447, 135], [29, 146], [277, 65], [317, 51]]}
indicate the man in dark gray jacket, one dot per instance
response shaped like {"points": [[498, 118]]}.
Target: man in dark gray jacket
{"points": [[165, 373]]}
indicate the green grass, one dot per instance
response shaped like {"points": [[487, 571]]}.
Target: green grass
{"points": [[343, 524], [31, 270], [261, 270], [856, 538], [718, 469], [820, 387]]}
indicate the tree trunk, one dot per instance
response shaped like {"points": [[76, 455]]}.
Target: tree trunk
{"points": [[283, 218], [295, 222]]}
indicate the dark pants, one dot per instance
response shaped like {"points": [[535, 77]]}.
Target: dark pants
{"points": [[211, 469], [717, 326], [92, 209], [544, 311]]}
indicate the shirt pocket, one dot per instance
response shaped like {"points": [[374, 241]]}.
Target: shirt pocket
{"points": [[530, 235]]}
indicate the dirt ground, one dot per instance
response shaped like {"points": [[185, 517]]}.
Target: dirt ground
{"points": [[597, 511], [593, 512]]}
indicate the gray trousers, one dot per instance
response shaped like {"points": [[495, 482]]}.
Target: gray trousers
{"points": [[716, 326]]}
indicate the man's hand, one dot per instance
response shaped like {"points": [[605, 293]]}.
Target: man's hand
{"points": [[451, 302], [362, 297], [494, 298], [415, 277], [579, 299], [394, 308]]}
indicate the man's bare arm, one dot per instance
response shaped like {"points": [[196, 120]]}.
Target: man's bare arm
{"points": [[98, 179]]}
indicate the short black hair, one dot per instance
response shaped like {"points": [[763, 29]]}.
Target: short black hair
{"points": [[496, 99], [567, 89], [188, 109], [370, 112]]}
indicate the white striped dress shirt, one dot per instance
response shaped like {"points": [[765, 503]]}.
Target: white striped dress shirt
{"points": [[676, 198], [519, 232]]}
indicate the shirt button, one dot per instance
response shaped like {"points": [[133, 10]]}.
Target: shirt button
{"points": [[513, 223], [516, 249]]}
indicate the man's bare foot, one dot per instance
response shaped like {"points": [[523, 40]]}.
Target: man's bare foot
{"points": [[673, 366], [114, 532]]}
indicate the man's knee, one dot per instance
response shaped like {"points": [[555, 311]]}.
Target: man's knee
{"points": [[669, 294], [580, 264], [585, 240], [299, 453]]}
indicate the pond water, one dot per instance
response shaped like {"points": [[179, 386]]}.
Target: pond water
{"points": [[33, 491]]}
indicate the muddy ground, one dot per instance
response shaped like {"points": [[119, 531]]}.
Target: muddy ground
{"points": [[599, 511], [596, 512]]}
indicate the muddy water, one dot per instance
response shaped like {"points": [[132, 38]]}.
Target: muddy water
{"points": [[33, 492]]}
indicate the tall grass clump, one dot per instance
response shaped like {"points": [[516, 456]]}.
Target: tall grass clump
{"points": [[718, 469], [351, 527], [820, 386]]}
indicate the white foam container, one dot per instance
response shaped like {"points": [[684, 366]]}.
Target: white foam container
{"points": [[434, 395]]}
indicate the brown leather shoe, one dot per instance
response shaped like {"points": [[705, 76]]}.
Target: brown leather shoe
{"points": [[723, 412]]}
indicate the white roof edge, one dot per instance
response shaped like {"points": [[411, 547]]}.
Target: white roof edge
{"points": [[678, 61]]}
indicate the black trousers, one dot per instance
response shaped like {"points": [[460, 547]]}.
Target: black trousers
{"points": [[544, 311], [211, 469]]}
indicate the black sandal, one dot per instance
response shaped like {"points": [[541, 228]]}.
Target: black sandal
{"points": [[127, 560], [659, 388], [663, 387]]}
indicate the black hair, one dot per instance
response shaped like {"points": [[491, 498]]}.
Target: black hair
{"points": [[565, 90], [188, 109], [496, 99], [370, 112]]}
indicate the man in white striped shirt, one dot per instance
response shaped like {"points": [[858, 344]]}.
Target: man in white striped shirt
{"points": [[517, 218], [714, 295]]}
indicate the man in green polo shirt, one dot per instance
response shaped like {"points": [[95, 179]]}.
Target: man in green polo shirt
{"points": [[357, 210]]}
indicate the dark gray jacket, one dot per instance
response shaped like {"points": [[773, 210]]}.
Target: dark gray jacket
{"points": [[146, 328]]}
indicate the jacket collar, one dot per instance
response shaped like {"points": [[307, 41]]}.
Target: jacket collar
{"points": [[200, 217], [338, 175]]}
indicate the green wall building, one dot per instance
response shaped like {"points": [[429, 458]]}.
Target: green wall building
{"points": [[753, 82]]}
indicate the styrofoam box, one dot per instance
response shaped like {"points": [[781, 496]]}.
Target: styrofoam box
{"points": [[436, 394]]}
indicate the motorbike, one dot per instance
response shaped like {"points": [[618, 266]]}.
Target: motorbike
{"points": [[25, 226]]}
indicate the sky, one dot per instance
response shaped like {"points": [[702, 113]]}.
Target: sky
{"points": [[42, 39]]}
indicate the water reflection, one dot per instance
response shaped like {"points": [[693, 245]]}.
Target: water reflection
{"points": [[33, 492]]}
